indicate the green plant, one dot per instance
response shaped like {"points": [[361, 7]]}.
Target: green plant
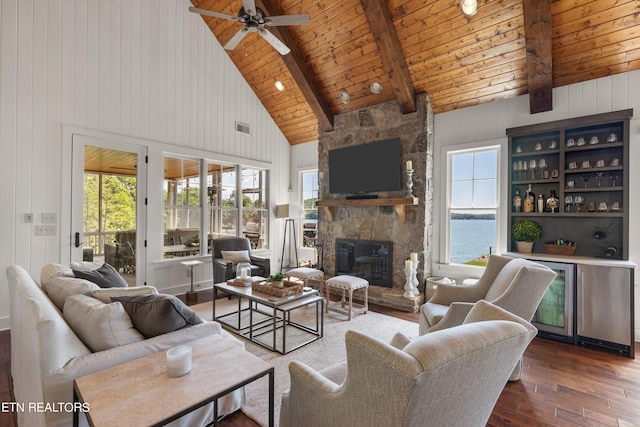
{"points": [[526, 230], [278, 277]]}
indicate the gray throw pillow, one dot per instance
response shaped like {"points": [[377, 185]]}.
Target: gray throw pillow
{"points": [[105, 277], [157, 314]]}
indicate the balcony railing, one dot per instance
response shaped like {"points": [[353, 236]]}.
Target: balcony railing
{"points": [[97, 240]]}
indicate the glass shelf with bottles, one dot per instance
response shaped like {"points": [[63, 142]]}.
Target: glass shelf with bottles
{"points": [[530, 203]]}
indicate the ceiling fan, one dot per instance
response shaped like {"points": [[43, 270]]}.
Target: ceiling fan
{"points": [[254, 21]]}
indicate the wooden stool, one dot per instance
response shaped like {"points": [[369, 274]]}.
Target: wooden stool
{"points": [[308, 274], [347, 283]]}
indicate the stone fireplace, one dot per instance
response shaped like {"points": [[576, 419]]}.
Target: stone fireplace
{"points": [[405, 230]]}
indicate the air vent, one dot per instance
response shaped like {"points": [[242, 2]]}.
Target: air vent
{"points": [[243, 128]]}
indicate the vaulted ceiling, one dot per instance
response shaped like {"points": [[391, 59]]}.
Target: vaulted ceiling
{"points": [[508, 48]]}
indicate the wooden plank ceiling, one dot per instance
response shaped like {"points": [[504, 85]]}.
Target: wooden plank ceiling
{"points": [[508, 48]]}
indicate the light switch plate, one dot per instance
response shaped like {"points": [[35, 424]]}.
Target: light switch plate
{"points": [[49, 217]]}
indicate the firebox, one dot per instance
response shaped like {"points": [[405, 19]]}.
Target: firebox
{"points": [[368, 259]]}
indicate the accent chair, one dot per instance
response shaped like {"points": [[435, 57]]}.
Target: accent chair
{"points": [[228, 251], [452, 377]]}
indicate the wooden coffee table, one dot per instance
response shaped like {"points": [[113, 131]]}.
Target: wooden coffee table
{"points": [[139, 392]]}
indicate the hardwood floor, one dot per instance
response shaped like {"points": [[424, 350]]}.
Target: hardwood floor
{"points": [[562, 385]]}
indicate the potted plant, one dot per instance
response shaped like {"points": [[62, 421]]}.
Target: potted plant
{"points": [[525, 232], [276, 280]]}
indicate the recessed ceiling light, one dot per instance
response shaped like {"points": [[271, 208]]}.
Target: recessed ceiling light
{"points": [[469, 7], [279, 85], [376, 88], [345, 98]]}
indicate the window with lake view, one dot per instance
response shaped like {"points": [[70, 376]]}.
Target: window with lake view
{"points": [[472, 205]]}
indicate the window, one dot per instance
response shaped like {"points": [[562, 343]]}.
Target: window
{"points": [[310, 195], [254, 206], [222, 206], [182, 207], [233, 203], [472, 205]]}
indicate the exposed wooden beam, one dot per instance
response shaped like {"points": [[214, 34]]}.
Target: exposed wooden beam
{"points": [[300, 71], [538, 32], [384, 33]]}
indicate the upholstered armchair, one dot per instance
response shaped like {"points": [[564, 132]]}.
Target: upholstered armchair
{"points": [[227, 252], [517, 285], [452, 377]]}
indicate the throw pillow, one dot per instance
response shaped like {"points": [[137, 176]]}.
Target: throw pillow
{"points": [[105, 295], [100, 326], [236, 256], [158, 314], [59, 288], [86, 265], [53, 270], [105, 277]]}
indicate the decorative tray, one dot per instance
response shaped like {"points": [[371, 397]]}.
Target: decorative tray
{"points": [[290, 288]]}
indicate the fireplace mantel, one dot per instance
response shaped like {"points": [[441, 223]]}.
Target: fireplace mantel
{"points": [[399, 202]]}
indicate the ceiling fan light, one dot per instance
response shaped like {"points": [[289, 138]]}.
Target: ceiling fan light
{"points": [[376, 88], [345, 98], [279, 85], [469, 7]]}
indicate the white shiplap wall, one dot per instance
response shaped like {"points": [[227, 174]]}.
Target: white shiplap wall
{"points": [[488, 123], [146, 69]]}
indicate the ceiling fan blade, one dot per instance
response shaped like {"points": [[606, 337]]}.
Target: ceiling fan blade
{"points": [[286, 20], [249, 6], [214, 14], [237, 38], [274, 41]]}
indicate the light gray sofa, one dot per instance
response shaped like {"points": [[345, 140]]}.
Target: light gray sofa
{"points": [[47, 354]]}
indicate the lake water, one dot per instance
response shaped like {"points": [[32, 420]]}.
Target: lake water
{"points": [[472, 238]]}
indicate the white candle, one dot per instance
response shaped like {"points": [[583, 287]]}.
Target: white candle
{"points": [[413, 256], [179, 361], [244, 273], [409, 165], [408, 265]]}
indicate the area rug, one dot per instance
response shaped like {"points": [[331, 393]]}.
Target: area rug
{"points": [[328, 350]]}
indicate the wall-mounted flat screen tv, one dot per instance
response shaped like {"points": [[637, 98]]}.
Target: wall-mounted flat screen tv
{"points": [[366, 168]]}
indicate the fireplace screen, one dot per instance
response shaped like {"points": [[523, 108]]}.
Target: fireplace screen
{"points": [[368, 259]]}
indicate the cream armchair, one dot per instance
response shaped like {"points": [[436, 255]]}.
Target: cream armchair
{"points": [[517, 285], [448, 378]]}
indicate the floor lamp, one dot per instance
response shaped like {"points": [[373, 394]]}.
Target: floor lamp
{"points": [[284, 211]]}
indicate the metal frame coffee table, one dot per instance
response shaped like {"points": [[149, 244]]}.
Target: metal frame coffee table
{"points": [[266, 320]]}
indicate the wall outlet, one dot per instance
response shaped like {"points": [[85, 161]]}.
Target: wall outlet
{"points": [[49, 217], [45, 230]]}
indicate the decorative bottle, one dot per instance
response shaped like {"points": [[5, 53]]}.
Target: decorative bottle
{"points": [[529, 200], [517, 201], [552, 202], [540, 203]]}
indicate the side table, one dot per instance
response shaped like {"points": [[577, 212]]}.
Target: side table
{"points": [[140, 392], [191, 296]]}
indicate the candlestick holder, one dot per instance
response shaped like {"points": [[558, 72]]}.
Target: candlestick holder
{"points": [[410, 182], [410, 291], [414, 278]]}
